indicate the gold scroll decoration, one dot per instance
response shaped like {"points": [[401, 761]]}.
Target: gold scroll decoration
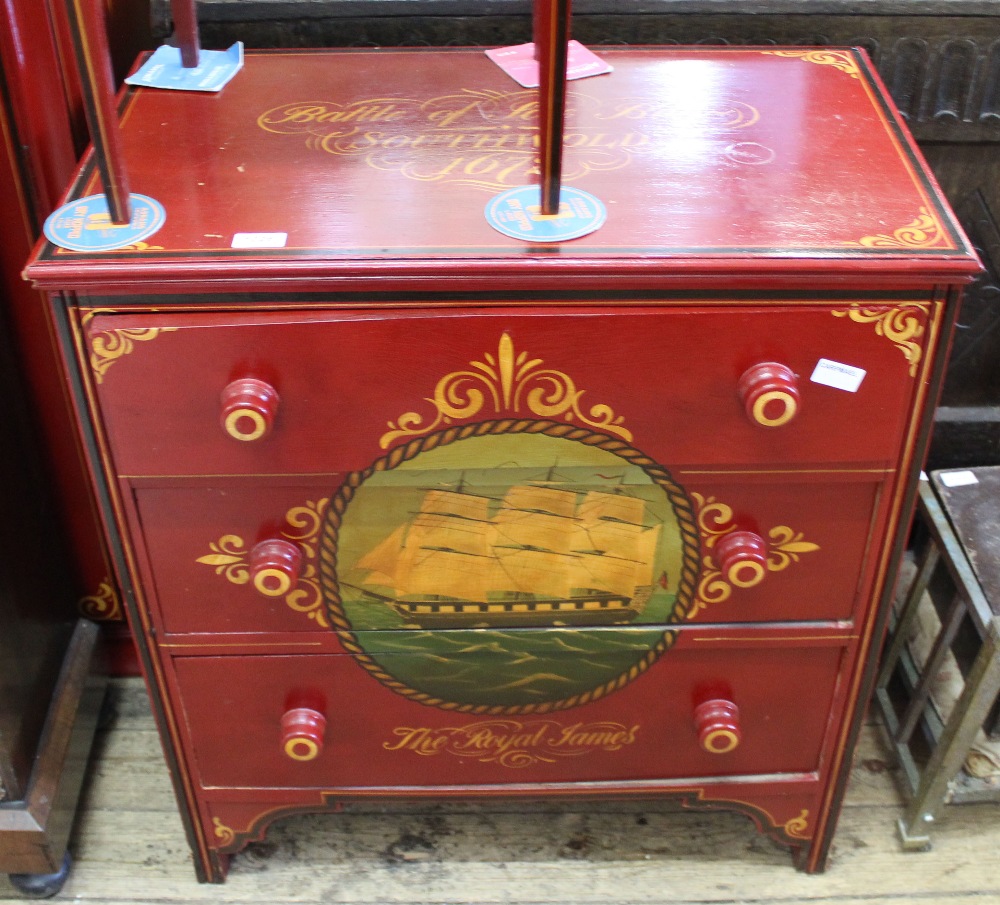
{"points": [[784, 546], [903, 326], [507, 382], [109, 346], [797, 827], [229, 557], [222, 832], [839, 59], [103, 604], [923, 231]]}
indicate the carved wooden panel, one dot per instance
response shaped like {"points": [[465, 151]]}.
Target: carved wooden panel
{"points": [[943, 71], [974, 365]]}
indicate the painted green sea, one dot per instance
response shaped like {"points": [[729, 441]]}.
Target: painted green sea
{"points": [[510, 668]]}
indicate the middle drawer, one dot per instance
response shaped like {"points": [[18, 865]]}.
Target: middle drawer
{"points": [[245, 557]]}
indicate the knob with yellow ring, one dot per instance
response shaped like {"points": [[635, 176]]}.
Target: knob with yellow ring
{"points": [[769, 393], [742, 558], [302, 733], [249, 408], [275, 565], [717, 722]]}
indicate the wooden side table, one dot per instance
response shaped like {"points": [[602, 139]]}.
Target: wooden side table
{"points": [[952, 602]]}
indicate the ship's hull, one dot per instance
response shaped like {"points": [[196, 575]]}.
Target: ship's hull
{"points": [[586, 610]]}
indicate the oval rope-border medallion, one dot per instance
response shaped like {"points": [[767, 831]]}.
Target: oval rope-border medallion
{"points": [[690, 537]]}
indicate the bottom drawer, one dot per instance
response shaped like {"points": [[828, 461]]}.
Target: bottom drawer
{"points": [[324, 721]]}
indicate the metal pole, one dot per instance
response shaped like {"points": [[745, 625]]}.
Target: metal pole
{"points": [[554, 22], [186, 31], [90, 44]]}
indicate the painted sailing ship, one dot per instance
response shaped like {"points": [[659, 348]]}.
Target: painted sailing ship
{"points": [[538, 556]]}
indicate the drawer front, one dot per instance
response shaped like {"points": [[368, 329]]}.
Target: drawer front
{"points": [[370, 736], [196, 548], [200, 545], [330, 392]]}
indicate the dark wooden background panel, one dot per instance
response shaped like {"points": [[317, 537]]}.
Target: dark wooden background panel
{"points": [[35, 602], [43, 131], [50, 687]]}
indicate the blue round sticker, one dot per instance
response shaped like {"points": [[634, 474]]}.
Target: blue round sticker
{"points": [[518, 213], [85, 224]]}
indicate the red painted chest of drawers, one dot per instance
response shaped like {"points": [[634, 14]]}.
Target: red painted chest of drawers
{"points": [[407, 508]]}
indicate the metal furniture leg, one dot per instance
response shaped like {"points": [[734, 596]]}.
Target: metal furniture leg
{"points": [[981, 688]]}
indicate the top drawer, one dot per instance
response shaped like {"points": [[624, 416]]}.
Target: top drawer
{"points": [[319, 392]]}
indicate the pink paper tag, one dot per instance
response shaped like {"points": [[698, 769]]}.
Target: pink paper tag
{"points": [[520, 64]]}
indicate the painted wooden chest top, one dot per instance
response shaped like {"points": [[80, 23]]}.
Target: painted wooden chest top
{"points": [[775, 158], [407, 507]]}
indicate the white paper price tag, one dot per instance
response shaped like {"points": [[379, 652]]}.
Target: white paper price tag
{"points": [[838, 375], [958, 478], [259, 240]]}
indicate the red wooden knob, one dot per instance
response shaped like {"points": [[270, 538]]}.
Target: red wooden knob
{"points": [[275, 566], [769, 393], [742, 558], [302, 730], [717, 723], [249, 407]]}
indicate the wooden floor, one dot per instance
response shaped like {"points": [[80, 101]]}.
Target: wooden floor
{"points": [[129, 848]]}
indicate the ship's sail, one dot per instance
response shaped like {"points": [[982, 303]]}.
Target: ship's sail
{"points": [[617, 549], [522, 570], [448, 573], [624, 561], [536, 542], [444, 551], [383, 560], [534, 530], [533, 499], [536, 518], [456, 504], [598, 506]]}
